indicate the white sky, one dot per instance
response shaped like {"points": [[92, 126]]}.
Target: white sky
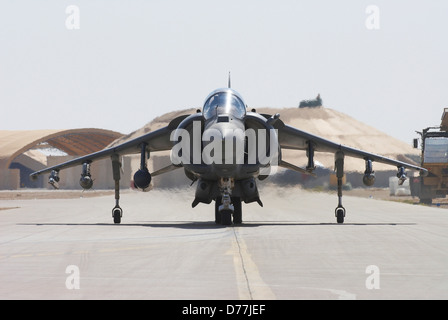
{"points": [[133, 60]]}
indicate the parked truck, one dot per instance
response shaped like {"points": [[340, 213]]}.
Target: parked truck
{"points": [[434, 145]]}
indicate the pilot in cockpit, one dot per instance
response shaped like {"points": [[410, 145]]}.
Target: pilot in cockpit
{"points": [[224, 103]]}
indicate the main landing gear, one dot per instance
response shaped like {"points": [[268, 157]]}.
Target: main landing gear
{"points": [[227, 207], [225, 216]]}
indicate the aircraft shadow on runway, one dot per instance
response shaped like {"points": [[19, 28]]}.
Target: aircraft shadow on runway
{"points": [[212, 225]]}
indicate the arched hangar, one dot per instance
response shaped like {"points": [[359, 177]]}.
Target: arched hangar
{"points": [[23, 152]]}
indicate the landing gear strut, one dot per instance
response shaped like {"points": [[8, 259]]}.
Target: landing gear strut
{"points": [[117, 212], [339, 164]]}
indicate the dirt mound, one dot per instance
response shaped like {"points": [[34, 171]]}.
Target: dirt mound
{"points": [[155, 124], [341, 128]]}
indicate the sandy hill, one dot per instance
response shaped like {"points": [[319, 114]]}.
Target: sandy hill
{"points": [[324, 122], [341, 128], [155, 124]]}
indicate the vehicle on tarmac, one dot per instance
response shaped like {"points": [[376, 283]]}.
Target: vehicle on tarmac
{"points": [[434, 158]]}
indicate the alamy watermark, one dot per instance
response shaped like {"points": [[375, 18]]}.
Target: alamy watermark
{"points": [[373, 280], [72, 282], [73, 20], [230, 146], [373, 18]]}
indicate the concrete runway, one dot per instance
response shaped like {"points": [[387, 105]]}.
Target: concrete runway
{"points": [[290, 249]]}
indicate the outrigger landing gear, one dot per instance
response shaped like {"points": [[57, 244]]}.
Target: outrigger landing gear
{"points": [[117, 212], [339, 164]]}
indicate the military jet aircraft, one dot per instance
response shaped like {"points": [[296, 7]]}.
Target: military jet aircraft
{"points": [[225, 148]]}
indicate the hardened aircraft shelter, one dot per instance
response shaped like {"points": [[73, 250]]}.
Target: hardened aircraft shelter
{"points": [[22, 152]]}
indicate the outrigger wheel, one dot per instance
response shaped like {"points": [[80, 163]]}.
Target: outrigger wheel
{"points": [[117, 213], [340, 214]]}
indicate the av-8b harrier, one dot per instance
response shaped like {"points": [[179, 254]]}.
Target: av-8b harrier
{"points": [[226, 149]]}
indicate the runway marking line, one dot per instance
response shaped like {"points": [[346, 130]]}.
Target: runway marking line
{"points": [[22, 255], [48, 254], [250, 283], [9, 208]]}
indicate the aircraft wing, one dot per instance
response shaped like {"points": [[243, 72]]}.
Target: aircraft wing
{"points": [[292, 138], [158, 140]]}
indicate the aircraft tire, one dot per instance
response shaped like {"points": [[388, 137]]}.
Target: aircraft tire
{"points": [[238, 212], [117, 215], [226, 217], [217, 213], [340, 215]]}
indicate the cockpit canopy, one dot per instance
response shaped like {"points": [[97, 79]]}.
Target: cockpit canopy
{"points": [[222, 102]]}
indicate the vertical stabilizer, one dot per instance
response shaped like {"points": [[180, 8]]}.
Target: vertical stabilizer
{"points": [[229, 84]]}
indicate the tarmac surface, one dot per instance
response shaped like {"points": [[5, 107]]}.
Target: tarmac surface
{"points": [[291, 248]]}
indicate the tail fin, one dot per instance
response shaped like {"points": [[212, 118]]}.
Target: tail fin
{"points": [[229, 84]]}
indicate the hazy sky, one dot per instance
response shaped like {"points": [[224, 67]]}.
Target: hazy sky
{"points": [[133, 60]]}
